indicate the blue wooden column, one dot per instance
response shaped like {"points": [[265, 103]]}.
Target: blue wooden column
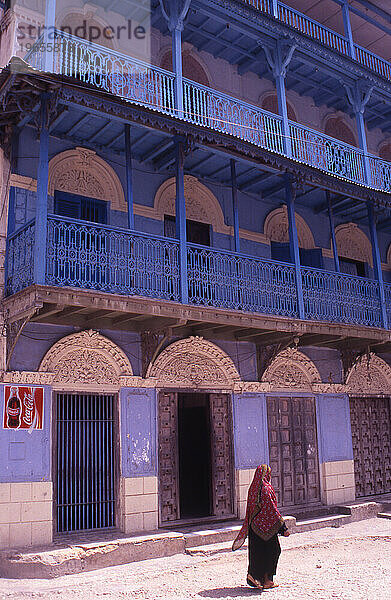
{"points": [[358, 98], [278, 60], [40, 232], [175, 11], [129, 177], [348, 28], [235, 205], [180, 219], [332, 233], [50, 23], [377, 262], [290, 193]]}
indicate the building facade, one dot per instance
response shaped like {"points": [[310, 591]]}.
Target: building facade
{"points": [[195, 263]]}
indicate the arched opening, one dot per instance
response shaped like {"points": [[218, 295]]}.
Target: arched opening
{"points": [[270, 103], [191, 67], [337, 128], [354, 250]]}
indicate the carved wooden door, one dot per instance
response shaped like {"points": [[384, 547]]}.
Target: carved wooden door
{"points": [[293, 450], [371, 431], [222, 464], [168, 456]]}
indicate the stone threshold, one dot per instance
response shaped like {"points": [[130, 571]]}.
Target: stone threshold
{"points": [[76, 554]]}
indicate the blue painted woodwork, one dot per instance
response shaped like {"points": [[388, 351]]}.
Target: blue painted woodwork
{"points": [[153, 87], [129, 177], [334, 431], [235, 206], [377, 263], [26, 456], [332, 232], [138, 432], [80, 207], [50, 23], [250, 430], [348, 28], [294, 243], [40, 230], [180, 211]]}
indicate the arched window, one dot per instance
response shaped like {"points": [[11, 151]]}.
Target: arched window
{"points": [[385, 151], [338, 129], [354, 249], [191, 67]]}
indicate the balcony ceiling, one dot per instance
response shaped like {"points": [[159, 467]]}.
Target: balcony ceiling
{"points": [[307, 75], [154, 149]]}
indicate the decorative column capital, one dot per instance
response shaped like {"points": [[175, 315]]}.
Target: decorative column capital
{"points": [[358, 95], [279, 58], [175, 12]]}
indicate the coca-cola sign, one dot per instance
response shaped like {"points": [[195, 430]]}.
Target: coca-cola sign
{"points": [[23, 407]]}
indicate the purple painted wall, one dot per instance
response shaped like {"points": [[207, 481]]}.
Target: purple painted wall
{"points": [[250, 430], [26, 456], [138, 432], [334, 431]]}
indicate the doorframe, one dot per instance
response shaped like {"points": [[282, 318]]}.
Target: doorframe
{"points": [[208, 391], [299, 394], [116, 451]]}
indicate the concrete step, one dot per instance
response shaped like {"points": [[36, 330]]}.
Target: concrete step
{"points": [[212, 549], [211, 536], [384, 515], [318, 523]]}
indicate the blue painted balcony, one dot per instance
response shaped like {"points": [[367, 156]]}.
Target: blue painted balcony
{"points": [[153, 88], [88, 256]]}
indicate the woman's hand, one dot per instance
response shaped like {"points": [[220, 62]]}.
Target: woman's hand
{"points": [[287, 533]]}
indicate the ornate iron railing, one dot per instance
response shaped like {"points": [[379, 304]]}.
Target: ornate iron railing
{"points": [[111, 259], [330, 155], [20, 259], [322, 34], [218, 111], [387, 293], [229, 280], [340, 298], [154, 88]]}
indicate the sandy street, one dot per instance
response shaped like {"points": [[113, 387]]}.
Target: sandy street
{"points": [[352, 562]]}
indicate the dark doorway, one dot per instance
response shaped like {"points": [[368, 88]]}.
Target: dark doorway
{"points": [[194, 444]]}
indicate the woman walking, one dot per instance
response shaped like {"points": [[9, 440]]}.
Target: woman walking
{"points": [[262, 524]]}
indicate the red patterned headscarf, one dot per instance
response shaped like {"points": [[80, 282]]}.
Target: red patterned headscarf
{"points": [[261, 512]]}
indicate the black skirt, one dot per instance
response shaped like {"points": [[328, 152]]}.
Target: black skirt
{"points": [[262, 556]]}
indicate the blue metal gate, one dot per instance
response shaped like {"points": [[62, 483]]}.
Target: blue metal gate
{"points": [[86, 462]]}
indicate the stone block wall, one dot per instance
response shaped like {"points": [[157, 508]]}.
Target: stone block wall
{"points": [[26, 516], [337, 482], [139, 504]]}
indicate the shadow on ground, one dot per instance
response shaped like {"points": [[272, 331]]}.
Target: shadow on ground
{"points": [[229, 592]]}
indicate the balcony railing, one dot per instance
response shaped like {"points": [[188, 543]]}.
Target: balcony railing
{"points": [[322, 34], [109, 259], [153, 87]]}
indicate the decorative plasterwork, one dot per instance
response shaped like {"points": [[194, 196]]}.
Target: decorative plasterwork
{"points": [[369, 375], [276, 228], [194, 363], [353, 243], [81, 171], [86, 358], [292, 369], [25, 183], [28, 377]]}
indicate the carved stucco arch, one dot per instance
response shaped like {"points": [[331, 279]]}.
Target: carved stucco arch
{"points": [[276, 228], [86, 358], [201, 204], [194, 363], [292, 369], [370, 375], [81, 171], [353, 243]]}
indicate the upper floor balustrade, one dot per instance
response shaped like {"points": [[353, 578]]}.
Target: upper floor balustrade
{"points": [[153, 87], [322, 34], [119, 261]]}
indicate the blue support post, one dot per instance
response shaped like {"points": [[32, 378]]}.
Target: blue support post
{"points": [[348, 28], [275, 8], [235, 206], [358, 98], [129, 177], [332, 233], [180, 220], [50, 24], [377, 263], [40, 232], [294, 243]]}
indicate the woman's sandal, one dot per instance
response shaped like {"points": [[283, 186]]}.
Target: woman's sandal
{"points": [[254, 582], [270, 586]]}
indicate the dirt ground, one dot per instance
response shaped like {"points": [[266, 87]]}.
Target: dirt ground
{"points": [[352, 562]]}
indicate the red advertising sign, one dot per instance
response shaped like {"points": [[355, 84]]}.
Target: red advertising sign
{"points": [[23, 407]]}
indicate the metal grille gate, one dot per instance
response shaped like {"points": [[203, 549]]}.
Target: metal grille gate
{"points": [[85, 483]]}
